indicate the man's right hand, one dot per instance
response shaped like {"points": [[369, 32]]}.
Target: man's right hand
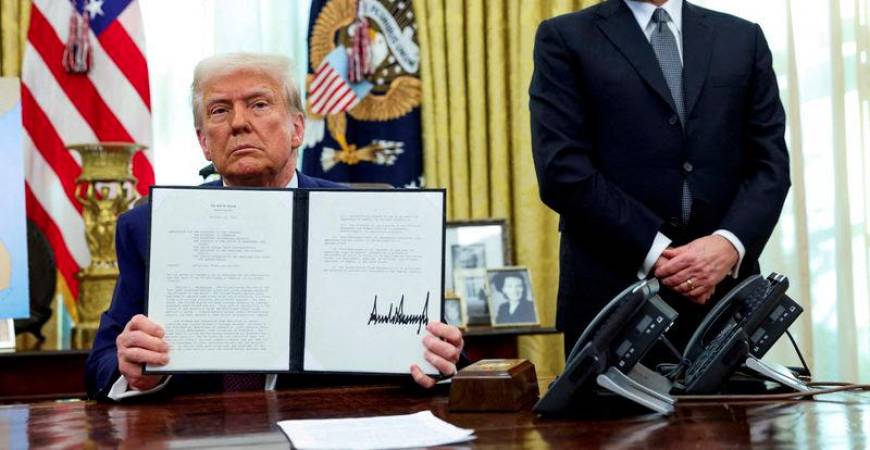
{"points": [[141, 342], [700, 295]]}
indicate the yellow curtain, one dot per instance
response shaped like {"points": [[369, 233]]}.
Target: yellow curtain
{"points": [[476, 64], [14, 20]]}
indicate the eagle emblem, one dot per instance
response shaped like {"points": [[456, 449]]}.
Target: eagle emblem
{"points": [[366, 59]]}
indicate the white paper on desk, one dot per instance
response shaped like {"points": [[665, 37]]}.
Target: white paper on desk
{"points": [[420, 429], [219, 277], [369, 254]]}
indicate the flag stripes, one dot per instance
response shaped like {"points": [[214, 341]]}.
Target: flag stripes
{"points": [[109, 103], [330, 93]]}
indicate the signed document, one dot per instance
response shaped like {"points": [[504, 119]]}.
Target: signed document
{"points": [[219, 278], [283, 280], [374, 277]]}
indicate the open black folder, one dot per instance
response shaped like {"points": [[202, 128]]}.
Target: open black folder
{"points": [[293, 280]]}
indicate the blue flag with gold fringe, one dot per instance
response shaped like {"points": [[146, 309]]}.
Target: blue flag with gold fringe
{"points": [[363, 93]]}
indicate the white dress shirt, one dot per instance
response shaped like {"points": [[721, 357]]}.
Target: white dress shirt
{"points": [[121, 389], [643, 12]]}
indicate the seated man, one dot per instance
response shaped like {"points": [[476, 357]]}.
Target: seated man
{"points": [[249, 121]]}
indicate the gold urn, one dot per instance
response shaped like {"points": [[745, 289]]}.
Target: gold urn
{"points": [[106, 188]]}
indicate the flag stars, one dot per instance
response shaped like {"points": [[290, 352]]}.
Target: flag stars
{"points": [[94, 8]]}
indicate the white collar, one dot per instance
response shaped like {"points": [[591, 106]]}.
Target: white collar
{"points": [[644, 10]]}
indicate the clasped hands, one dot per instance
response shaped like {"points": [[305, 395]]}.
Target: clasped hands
{"points": [[695, 269], [142, 342]]}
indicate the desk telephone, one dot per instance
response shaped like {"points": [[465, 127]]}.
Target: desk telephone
{"points": [[740, 329], [743, 324], [608, 351]]}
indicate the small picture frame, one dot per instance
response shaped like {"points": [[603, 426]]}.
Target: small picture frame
{"points": [[7, 335], [475, 244], [471, 287], [471, 256], [511, 302], [454, 311]]}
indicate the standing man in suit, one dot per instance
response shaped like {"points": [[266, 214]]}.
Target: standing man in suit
{"points": [[248, 117], [658, 137]]}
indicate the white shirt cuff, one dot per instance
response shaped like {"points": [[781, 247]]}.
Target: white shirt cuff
{"points": [[660, 243], [741, 250], [121, 390]]}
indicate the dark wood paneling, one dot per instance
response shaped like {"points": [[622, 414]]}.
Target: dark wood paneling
{"points": [[48, 374]]}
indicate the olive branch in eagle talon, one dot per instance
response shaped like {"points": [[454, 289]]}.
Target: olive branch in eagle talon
{"points": [[379, 152]]}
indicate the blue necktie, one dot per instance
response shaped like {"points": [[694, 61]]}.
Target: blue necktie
{"points": [[664, 45]]}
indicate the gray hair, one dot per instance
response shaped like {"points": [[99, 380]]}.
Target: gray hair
{"points": [[278, 67]]}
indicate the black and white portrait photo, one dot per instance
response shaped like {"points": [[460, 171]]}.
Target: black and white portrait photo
{"points": [[453, 313], [471, 256], [471, 286], [511, 297]]}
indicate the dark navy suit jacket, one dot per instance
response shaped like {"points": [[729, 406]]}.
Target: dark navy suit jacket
{"points": [[131, 241], [611, 155]]}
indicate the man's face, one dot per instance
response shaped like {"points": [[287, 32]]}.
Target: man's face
{"points": [[247, 130], [513, 288]]}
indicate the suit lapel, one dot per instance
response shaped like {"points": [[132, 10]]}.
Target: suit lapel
{"points": [[304, 181], [697, 49], [619, 25]]}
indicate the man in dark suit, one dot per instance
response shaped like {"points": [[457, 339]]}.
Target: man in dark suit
{"points": [[658, 137], [249, 121]]}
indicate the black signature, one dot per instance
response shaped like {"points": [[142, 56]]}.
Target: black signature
{"points": [[398, 317]]}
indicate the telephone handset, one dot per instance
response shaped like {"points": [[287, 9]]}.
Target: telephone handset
{"points": [[744, 323], [723, 316], [612, 317], [608, 352]]}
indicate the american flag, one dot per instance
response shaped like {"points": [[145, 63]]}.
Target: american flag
{"points": [[110, 102], [330, 93]]}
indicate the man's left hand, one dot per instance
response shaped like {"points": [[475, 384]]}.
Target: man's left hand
{"points": [[443, 346], [700, 264]]}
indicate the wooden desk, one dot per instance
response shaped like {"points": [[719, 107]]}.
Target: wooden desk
{"points": [[245, 420], [31, 376]]}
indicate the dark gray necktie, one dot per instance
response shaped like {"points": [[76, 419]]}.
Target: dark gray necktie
{"points": [[238, 382], [665, 46]]}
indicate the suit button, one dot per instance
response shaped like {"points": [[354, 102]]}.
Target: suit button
{"points": [[673, 120], [688, 167]]}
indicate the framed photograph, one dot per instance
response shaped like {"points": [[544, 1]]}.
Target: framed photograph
{"points": [[471, 288], [7, 335], [454, 311], [475, 244], [471, 256], [511, 302]]}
